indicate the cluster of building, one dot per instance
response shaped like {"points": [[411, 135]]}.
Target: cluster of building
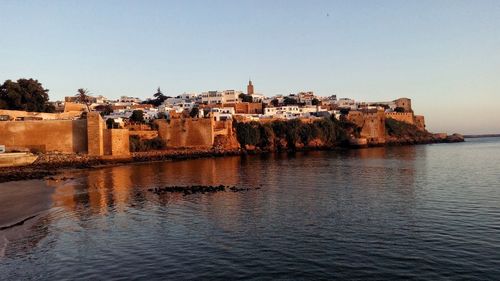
{"points": [[189, 120], [233, 104]]}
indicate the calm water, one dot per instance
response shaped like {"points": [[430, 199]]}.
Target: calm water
{"points": [[424, 212]]}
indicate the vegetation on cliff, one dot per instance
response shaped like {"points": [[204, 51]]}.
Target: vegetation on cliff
{"points": [[292, 134], [402, 132], [137, 144]]}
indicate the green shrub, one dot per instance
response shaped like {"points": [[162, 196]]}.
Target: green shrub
{"points": [[329, 130], [137, 144]]}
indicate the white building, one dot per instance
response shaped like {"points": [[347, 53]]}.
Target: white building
{"points": [[221, 114], [306, 97], [347, 103], [292, 111], [125, 99], [214, 97], [258, 97], [185, 97]]}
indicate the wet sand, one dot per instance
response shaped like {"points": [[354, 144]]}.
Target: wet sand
{"points": [[20, 200]]}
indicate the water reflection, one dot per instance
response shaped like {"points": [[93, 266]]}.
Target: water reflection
{"points": [[388, 212]]}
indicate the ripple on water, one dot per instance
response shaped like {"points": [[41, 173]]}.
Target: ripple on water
{"points": [[385, 213]]}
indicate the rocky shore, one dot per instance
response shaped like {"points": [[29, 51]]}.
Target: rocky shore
{"points": [[50, 164], [426, 139], [194, 189]]}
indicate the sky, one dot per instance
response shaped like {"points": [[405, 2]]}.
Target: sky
{"points": [[444, 55]]}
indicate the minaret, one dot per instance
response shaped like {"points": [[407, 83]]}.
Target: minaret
{"points": [[250, 87]]}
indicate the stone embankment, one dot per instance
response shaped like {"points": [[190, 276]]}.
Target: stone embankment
{"points": [[50, 164]]}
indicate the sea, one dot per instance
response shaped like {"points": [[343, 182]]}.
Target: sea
{"points": [[423, 212]]}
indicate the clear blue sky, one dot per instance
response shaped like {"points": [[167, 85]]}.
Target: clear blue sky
{"points": [[445, 55]]}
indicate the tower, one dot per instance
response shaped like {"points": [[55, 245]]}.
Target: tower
{"points": [[250, 87]]}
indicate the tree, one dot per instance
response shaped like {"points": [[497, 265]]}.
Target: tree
{"points": [[137, 116], [315, 101], [158, 98], [344, 111], [275, 102], [289, 101], [83, 96], [110, 123], [104, 109], [25, 94], [194, 112], [245, 98]]}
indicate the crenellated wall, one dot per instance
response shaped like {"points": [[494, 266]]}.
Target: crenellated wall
{"points": [[401, 116], [408, 117]]}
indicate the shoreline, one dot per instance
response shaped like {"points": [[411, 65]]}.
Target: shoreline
{"points": [[53, 164]]}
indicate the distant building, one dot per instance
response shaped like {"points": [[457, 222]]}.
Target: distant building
{"points": [[250, 88], [404, 103], [214, 97], [125, 99], [305, 97], [347, 103]]}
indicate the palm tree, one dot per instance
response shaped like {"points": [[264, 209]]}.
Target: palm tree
{"points": [[83, 96]]}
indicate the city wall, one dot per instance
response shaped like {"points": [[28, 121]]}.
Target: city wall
{"points": [[224, 136], [408, 117], [401, 116], [420, 122], [144, 135], [116, 142], [187, 132], [372, 125], [67, 136], [15, 114]]}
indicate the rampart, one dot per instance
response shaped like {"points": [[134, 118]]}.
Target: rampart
{"points": [[187, 132], [19, 114], [404, 103], [144, 135], [420, 122], [116, 142], [372, 125], [408, 117], [67, 136], [73, 106], [401, 116]]}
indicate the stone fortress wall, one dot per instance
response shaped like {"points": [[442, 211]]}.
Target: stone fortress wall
{"points": [[404, 103], [372, 125], [187, 132], [19, 114], [65, 136], [406, 117]]}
